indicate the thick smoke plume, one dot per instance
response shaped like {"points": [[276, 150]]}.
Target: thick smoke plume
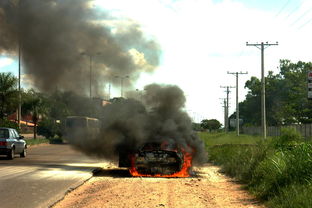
{"points": [[128, 124], [53, 35]]}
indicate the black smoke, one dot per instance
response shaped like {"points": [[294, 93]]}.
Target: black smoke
{"points": [[128, 124], [52, 35]]}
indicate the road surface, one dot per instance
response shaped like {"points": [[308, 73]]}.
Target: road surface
{"points": [[44, 176]]}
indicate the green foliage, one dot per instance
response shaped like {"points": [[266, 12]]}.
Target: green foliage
{"points": [[8, 124], [289, 136], [196, 127], [37, 141], [211, 124], [286, 96], [267, 178], [219, 138], [48, 128], [295, 195], [8, 94], [286, 167], [238, 161], [278, 171]]}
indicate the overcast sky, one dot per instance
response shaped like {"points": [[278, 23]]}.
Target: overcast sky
{"points": [[203, 39]]}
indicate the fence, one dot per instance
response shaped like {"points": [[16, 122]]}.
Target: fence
{"points": [[304, 129]]}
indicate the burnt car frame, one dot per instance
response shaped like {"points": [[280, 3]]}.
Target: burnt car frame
{"points": [[153, 159]]}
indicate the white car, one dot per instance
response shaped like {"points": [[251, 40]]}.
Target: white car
{"points": [[12, 143]]}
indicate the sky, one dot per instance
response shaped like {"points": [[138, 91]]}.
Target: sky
{"points": [[201, 40]]}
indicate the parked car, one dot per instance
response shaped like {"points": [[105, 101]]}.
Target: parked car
{"points": [[12, 143]]}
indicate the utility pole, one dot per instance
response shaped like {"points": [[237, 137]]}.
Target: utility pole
{"points": [[19, 112], [224, 107], [109, 91], [90, 68], [121, 83], [90, 81], [262, 46], [226, 123], [237, 105]]}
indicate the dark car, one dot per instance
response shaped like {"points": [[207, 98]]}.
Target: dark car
{"points": [[12, 143]]}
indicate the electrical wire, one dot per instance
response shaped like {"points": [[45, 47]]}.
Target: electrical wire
{"points": [[307, 22], [282, 9], [304, 14]]}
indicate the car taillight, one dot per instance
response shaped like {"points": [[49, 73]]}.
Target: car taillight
{"points": [[3, 143]]}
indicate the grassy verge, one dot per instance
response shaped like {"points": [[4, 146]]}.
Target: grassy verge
{"points": [[278, 171], [220, 138], [31, 142]]}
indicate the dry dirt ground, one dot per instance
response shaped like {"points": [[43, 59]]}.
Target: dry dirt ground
{"points": [[112, 187]]}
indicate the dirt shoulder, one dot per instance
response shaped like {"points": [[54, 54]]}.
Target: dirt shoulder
{"points": [[113, 187]]}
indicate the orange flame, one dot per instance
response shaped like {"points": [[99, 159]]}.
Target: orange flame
{"points": [[184, 172]]}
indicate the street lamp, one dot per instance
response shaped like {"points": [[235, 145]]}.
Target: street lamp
{"points": [[121, 83], [19, 110], [90, 57]]}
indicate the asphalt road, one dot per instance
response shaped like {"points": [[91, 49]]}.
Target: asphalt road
{"points": [[44, 176]]}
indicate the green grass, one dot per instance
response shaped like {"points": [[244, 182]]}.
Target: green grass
{"points": [[220, 138], [30, 142], [277, 171]]}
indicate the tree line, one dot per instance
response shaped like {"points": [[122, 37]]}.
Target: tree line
{"points": [[286, 96], [45, 109]]}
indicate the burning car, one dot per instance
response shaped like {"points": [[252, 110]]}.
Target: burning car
{"points": [[157, 159]]}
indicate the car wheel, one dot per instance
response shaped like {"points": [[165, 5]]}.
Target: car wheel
{"points": [[11, 154], [24, 153]]}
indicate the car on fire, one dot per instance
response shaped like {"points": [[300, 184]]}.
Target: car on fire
{"points": [[157, 159], [12, 143]]}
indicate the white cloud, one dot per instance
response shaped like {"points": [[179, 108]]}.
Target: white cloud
{"points": [[5, 62], [202, 40]]}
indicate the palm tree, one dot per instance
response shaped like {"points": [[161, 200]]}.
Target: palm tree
{"points": [[8, 94], [34, 104]]}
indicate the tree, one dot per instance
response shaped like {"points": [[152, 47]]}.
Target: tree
{"points": [[34, 104], [286, 96], [211, 124], [8, 94]]}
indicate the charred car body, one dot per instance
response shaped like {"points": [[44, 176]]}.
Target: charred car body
{"points": [[157, 159]]}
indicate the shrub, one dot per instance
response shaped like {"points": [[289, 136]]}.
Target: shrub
{"points": [[285, 167], [9, 124], [48, 128], [295, 195], [289, 137], [238, 161], [268, 175], [277, 171]]}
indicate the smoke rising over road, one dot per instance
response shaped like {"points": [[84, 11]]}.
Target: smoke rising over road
{"points": [[129, 124], [61, 39], [53, 34]]}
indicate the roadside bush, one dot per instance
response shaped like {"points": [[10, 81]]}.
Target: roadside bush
{"points": [[268, 176], [48, 128], [289, 137], [295, 195], [238, 161], [8, 124], [277, 171]]}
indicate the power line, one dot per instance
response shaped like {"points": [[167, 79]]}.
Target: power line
{"points": [[261, 46], [304, 24], [280, 11], [293, 11], [304, 14]]}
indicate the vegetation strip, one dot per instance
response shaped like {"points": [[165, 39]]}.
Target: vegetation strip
{"points": [[277, 171]]}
